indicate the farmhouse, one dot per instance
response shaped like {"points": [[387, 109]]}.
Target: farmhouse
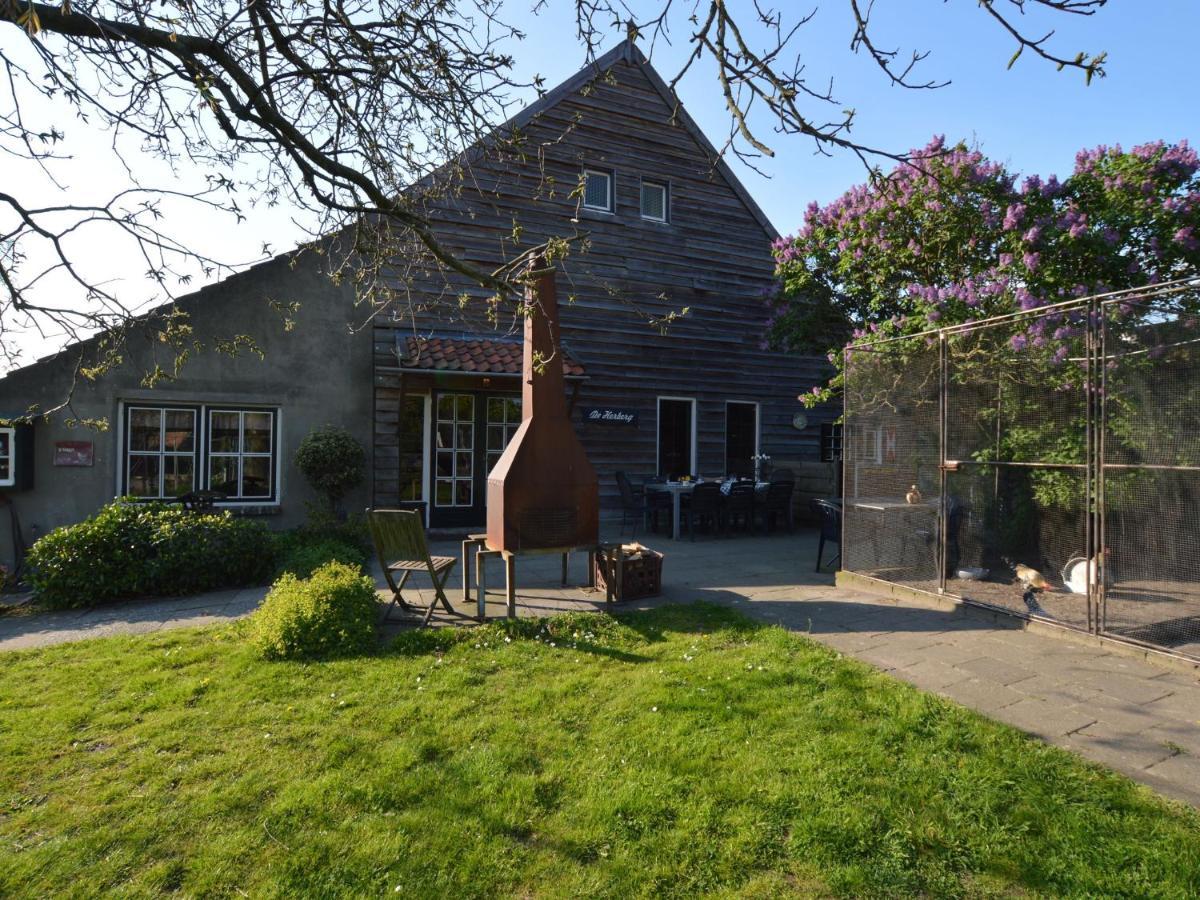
{"points": [[662, 326]]}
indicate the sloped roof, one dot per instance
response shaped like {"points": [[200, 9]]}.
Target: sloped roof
{"points": [[629, 52], [469, 353]]}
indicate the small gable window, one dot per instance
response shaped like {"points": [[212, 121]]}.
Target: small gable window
{"points": [[655, 201], [597, 190]]}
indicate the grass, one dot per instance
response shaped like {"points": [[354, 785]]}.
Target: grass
{"points": [[678, 752]]}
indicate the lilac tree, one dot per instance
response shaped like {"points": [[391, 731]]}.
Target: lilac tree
{"points": [[954, 238], [951, 237]]}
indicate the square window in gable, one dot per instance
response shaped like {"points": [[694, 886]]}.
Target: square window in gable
{"points": [[655, 201], [597, 190]]}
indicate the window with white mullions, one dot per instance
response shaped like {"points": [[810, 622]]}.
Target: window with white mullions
{"points": [[597, 190], [655, 201], [503, 420], [161, 452], [8, 442], [455, 461], [241, 453]]}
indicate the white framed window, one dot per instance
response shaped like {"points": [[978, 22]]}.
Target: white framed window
{"points": [[455, 462], [676, 451], [161, 450], [171, 450], [656, 201], [8, 443], [598, 190], [241, 453]]}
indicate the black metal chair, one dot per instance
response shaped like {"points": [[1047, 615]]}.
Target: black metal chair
{"points": [[705, 506], [658, 502], [830, 514], [776, 502], [633, 503], [739, 506], [782, 475]]}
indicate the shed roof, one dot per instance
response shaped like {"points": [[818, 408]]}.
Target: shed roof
{"points": [[470, 353]]}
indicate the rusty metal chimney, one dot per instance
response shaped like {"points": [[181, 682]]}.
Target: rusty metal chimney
{"points": [[542, 493]]}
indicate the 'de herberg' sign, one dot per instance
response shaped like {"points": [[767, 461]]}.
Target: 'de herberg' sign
{"points": [[609, 415]]}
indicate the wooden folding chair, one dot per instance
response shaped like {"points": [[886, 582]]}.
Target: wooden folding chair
{"points": [[399, 538]]}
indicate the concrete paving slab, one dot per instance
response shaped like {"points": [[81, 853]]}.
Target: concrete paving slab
{"points": [[982, 694], [996, 670], [1127, 751], [1049, 721]]}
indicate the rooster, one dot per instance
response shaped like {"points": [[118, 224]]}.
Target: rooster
{"points": [[1033, 581]]}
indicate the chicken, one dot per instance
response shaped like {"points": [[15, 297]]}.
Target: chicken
{"points": [[1029, 577]]}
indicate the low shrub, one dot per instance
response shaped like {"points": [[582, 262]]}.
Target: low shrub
{"points": [[131, 549], [332, 613]]}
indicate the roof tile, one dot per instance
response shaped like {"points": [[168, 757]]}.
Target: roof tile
{"points": [[471, 355]]}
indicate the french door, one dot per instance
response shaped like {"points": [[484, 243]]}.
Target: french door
{"points": [[470, 431]]}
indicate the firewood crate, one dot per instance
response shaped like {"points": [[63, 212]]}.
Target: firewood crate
{"points": [[641, 575]]}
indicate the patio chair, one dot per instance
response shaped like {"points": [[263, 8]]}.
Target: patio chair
{"points": [[776, 502], [705, 505], [956, 514], [781, 475], [739, 505], [658, 502], [830, 514], [633, 503], [399, 539]]}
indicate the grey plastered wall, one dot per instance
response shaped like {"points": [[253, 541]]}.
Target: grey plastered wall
{"points": [[317, 373]]}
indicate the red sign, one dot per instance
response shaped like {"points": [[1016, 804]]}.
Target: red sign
{"points": [[73, 453]]}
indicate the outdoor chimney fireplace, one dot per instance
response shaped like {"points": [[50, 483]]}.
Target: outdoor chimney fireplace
{"points": [[542, 494]]}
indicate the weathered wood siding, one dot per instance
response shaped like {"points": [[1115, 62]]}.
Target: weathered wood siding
{"points": [[712, 258]]}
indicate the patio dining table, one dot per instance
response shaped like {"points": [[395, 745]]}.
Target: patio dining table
{"points": [[677, 489]]}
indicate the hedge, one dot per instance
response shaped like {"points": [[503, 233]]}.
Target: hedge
{"points": [[131, 549]]}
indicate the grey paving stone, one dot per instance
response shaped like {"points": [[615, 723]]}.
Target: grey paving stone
{"points": [[1124, 751], [1181, 704], [1047, 720], [1130, 687], [932, 674], [985, 696], [1049, 687], [1181, 770], [996, 670]]}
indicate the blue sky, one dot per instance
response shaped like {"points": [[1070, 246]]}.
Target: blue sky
{"points": [[1032, 117]]}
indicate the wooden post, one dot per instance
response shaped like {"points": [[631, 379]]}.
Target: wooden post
{"points": [[510, 586], [466, 570], [481, 586]]}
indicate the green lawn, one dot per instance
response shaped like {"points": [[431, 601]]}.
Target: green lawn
{"points": [[679, 752]]}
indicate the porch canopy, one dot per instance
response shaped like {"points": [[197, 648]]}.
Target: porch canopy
{"points": [[470, 354]]}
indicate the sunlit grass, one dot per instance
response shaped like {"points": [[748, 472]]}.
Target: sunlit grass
{"points": [[677, 752]]}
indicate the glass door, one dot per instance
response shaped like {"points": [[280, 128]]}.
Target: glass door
{"points": [[454, 493], [469, 435]]}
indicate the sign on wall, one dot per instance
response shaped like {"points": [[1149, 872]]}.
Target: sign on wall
{"points": [[73, 453], [610, 415]]}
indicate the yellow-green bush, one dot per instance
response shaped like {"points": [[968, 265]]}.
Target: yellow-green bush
{"points": [[332, 613]]}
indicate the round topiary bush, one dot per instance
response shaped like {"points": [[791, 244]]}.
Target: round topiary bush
{"points": [[331, 614], [332, 460]]}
